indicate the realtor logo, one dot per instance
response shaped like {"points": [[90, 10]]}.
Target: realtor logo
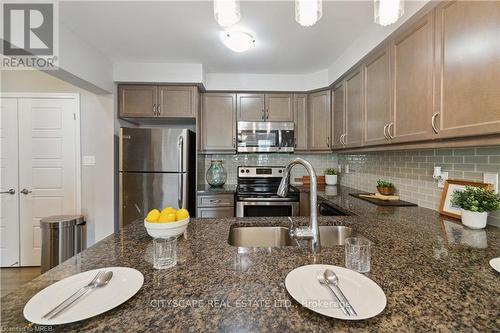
{"points": [[29, 35]]}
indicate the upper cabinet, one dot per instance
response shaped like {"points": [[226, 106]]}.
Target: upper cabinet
{"points": [[137, 101], [413, 72], [177, 101], [153, 101], [377, 101], [265, 107], [251, 107], [319, 120], [218, 122], [338, 115], [468, 68], [279, 107], [301, 121], [354, 119]]}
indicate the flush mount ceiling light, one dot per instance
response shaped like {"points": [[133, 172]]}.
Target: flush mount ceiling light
{"points": [[227, 12], [238, 41], [308, 12], [388, 11]]}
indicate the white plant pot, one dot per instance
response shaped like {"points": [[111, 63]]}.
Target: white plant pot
{"points": [[474, 220], [331, 179]]}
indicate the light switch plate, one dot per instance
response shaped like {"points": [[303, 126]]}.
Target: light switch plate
{"points": [[491, 178], [88, 160]]}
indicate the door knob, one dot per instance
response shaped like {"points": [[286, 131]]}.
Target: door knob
{"points": [[11, 191], [25, 191]]}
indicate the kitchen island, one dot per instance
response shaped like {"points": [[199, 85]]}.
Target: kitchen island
{"points": [[435, 274]]}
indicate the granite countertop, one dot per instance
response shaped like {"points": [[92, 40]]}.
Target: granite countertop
{"points": [[225, 189], [435, 274]]}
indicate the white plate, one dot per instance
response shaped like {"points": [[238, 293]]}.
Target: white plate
{"points": [[495, 263], [367, 298], [124, 284]]}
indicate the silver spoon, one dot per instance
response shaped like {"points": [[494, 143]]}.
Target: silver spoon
{"points": [[323, 282], [101, 281], [332, 278]]}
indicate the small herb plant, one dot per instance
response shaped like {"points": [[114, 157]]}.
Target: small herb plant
{"points": [[384, 183], [476, 199], [330, 172]]}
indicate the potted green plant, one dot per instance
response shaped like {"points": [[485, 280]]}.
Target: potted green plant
{"points": [[386, 188], [331, 176], [475, 203]]}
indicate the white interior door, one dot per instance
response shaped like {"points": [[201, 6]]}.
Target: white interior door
{"points": [[47, 167], [9, 206]]}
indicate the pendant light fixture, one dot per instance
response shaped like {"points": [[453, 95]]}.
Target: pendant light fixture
{"points": [[388, 11], [227, 12], [308, 12]]}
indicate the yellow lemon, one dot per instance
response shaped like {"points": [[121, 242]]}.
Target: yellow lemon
{"points": [[166, 218], [181, 214], [153, 215], [168, 210]]}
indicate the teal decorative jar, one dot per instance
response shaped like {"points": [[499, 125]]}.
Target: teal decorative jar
{"points": [[216, 174]]}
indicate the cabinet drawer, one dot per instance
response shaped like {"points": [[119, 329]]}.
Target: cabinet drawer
{"points": [[215, 212], [216, 200]]}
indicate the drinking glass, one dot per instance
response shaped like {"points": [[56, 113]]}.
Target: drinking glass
{"points": [[358, 254], [164, 252]]}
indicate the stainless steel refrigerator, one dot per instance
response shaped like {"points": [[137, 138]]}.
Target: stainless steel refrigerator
{"points": [[157, 169]]}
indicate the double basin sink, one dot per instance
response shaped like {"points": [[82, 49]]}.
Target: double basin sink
{"points": [[280, 236]]}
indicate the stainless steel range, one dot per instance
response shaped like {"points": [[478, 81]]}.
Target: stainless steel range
{"points": [[256, 194]]}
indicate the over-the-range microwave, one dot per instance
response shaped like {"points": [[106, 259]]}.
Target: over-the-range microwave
{"points": [[265, 137]]}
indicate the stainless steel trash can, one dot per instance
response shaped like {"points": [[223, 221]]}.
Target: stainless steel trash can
{"points": [[63, 236]]}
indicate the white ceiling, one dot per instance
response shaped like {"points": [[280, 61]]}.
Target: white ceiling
{"points": [[186, 32]]}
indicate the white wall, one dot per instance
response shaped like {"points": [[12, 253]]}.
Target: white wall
{"points": [[96, 139]]}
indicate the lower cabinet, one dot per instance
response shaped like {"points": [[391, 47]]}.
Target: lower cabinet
{"points": [[215, 205]]}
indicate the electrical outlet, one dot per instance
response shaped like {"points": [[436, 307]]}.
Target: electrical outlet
{"points": [[491, 178], [442, 179], [346, 168]]}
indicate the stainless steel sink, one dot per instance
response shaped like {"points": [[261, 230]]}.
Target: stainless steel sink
{"points": [[260, 237], [334, 235], [280, 236]]}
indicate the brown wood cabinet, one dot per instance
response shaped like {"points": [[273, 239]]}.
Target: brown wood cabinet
{"points": [[251, 107], [153, 101], [338, 115], [301, 121], [354, 119], [177, 101], [218, 122], [137, 101], [265, 107], [468, 68], [413, 72], [377, 103], [279, 107], [319, 120]]}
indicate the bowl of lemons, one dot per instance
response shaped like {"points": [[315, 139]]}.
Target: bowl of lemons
{"points": [[166, 223]]}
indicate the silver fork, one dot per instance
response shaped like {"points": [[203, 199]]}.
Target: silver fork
{"points": [[63, 303]]}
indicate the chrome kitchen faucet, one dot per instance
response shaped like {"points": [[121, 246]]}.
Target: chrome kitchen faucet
{"points": [[311, 232]]}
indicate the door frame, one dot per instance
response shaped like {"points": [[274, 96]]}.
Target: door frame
{"points": [[76, 97]]}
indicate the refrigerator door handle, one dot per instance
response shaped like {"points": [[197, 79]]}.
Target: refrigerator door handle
{"points": [[180, 194]]}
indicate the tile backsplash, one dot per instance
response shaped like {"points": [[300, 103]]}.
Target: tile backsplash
{"points": [[319, 161], [411, 171]]}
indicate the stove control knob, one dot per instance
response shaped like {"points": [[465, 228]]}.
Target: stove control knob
{"points": [[248, 171], [242, 171], [280, 171]]}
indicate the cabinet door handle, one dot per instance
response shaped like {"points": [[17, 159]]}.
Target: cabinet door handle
{"points": [[342, 141], [215, 200], [11, 192], [328, 141], [26, 191], [267, 114], [234, 142], [385, 131], [389, 131], [158, 109], [433, 122], [154, 109], [295, 139]]}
